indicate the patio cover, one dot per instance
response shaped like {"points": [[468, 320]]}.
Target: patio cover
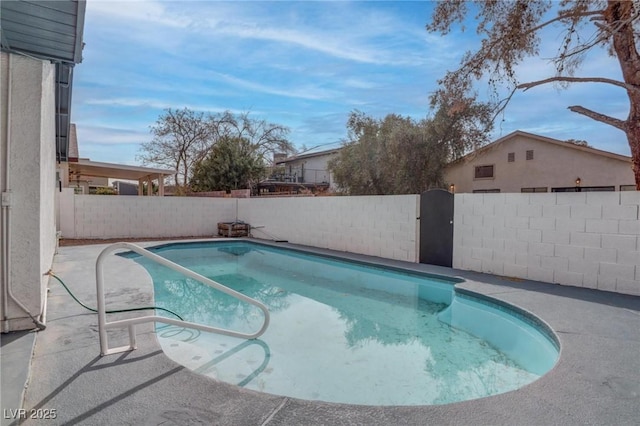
{"points": [[121, 171]]}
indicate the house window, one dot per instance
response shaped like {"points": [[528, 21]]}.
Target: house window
{"points": [[584, 189], [511, 157], [536, 189], [484, 172], [485, 191], [530, 154], [598, 188], [627, 187]]}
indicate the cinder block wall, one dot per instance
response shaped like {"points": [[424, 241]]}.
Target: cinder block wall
{"points": [[582, 239], [383, 226], [589, 239], [110, 216]]}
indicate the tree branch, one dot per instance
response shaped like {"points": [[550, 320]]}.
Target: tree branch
{"points": [[567, 15], [527, 86], [619, 124]]}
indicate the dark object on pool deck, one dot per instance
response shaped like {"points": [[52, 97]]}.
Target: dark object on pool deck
{"points": [[233, 229]]}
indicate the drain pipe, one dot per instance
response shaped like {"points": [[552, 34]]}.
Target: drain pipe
{"points": [[5, 206], [6, 220]]}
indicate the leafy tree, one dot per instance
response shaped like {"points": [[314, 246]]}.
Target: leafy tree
{"points": [[232, 163], [578, 142], [511, 31], [105, 191], [398, 155], [182, 138]]}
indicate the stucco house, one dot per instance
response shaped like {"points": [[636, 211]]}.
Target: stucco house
{"points": [[310, 168], [305, 171], [41, 43], [525, 162]]}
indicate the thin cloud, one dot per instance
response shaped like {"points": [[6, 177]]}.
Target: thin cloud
{"points": [[106, 135], [302, 92], [146, 11], [321, 42], [156, 104]]}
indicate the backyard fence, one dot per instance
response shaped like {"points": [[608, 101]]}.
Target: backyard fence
{"points": [[587, 239], [582, 239]]}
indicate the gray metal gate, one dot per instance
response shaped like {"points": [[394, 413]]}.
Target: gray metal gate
{"points": [[436, 227]]}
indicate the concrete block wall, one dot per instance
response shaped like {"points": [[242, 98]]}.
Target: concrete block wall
{"points": [[587, 239], [383, 226], [109, 216]]}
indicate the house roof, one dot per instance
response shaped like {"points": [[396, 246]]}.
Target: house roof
{"points": [[53, 31], [309, 155], [86, 167], [44, 29], [498, 142]]}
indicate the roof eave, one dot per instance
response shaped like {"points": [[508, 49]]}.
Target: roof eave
{"points": [[82, 7], [557, 142]]}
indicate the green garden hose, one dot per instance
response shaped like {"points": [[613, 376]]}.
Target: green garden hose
{"points": [[115, 311]]}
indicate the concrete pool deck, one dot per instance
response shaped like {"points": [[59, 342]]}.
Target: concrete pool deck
{"points": [[596, 381]]}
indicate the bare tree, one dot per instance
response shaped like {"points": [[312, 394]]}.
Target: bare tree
{"points": [[265, 138], [511, 31], [181, 138]]}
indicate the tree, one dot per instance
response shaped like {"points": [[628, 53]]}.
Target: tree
{"points": [[398, 155], [511, 31], [182, 138], [265, 138], [578, 142], [105, 191], [232, 163]]}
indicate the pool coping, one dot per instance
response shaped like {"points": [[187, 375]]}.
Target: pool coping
{"points": [[596, 380]]}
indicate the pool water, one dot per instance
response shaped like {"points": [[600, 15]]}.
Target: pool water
{"points": [[341, 331]]}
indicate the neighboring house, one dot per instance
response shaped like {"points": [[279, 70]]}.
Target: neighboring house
{"points": [[86, 176], [524, 162], [80, 184], [41, 43], [306, 171]]}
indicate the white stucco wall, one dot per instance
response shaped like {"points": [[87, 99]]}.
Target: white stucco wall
{"points": [[32, 181], [48, 181], [581, 239]]}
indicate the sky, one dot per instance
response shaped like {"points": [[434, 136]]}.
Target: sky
{"points": [[305, 65]]}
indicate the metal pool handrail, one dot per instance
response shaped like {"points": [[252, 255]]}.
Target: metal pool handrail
{"points": [[103, 325]]}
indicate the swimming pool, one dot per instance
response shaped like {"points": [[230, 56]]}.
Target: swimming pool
{"points": [[344, 331]]}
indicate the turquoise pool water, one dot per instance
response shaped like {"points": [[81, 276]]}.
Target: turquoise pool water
{"points": [[342, 331]]}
